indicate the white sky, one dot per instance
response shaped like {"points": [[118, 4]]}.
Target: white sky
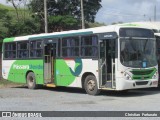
{"points": [[128, 11], [125, 10], [3, 2]]}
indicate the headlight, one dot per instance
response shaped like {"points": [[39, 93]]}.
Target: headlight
{"points": [[127, 76]]}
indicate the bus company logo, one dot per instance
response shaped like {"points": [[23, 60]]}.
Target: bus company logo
{"points": [[27, 67], [22, 67], [78, 67]]}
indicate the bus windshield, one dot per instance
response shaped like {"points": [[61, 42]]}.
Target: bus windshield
{"points": [[138, 53]]}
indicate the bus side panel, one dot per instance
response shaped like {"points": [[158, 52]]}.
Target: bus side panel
{"points": [[89, 66], [6, 66], [20, 67], [64, 71], [68, 72]]}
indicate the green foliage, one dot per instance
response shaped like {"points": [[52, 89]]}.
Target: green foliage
{"points": [[29, 19], [59, 23], [68, 9], [117, 23], [95, 24], [11, 27], [23, 28], [4, 18], [6, 7]]}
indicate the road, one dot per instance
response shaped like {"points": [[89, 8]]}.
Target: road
{"points": [[72, 99]]}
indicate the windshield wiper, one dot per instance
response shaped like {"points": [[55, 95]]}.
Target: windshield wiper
{"points": [[145, 45]]}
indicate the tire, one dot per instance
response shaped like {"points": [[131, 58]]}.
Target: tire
{"points": [[91, 86], [31, 81]]}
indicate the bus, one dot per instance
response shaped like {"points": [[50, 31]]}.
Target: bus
{"points": [[157, 35], [155, 27], [115, 57]]}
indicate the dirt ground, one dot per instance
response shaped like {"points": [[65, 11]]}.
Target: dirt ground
{"points": [[9, 84]]}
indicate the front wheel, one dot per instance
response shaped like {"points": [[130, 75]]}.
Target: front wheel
{"points": [[31, 80], [91, 86]]}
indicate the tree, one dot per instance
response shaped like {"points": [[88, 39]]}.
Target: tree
{"points": [[4, 22], [60, 23], [117, 23], [69, 8], [21, 25], [95, 24], [20, 8], [26, 28]]}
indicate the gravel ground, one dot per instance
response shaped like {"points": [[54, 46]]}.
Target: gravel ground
{"points": [[71, 99]]}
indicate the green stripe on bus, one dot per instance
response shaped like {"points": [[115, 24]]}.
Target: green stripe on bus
{"points": [[9, 39], [61, 35], [128, 24]]}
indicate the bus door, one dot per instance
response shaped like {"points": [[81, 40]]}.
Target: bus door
{"points": [[107, 63], [50, 53]]}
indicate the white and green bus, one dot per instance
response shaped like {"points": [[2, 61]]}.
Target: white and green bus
{"points": [[104, 58], [157, 35]]}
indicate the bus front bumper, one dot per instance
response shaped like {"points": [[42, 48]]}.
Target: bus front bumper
{"points": [[134, 84]]}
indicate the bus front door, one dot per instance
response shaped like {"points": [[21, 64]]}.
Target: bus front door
{"points": [[107, 63], [49, 62]]}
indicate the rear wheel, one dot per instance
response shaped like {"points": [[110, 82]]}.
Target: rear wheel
{"points": [[31, 80], [91, 86]]}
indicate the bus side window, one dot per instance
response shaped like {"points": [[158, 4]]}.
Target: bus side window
{"points": [[89, 46], [10, 50], [23, 49], [36, 49], [70, 47]]}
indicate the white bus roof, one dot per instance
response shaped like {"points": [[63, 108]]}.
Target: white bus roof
{"points": [[150, 25], [103, 29]]}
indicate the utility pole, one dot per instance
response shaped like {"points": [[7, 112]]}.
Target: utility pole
{"points": [[155, 13], [45, 16], [82, 15]]}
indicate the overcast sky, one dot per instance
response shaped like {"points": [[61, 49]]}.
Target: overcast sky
{"points": [[126, 11]]}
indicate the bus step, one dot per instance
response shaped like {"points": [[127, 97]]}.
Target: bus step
{"points": [[50, 85], [108, 84]]}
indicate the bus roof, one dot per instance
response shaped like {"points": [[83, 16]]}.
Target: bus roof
{"points": [[103, 29], [151, 25]]}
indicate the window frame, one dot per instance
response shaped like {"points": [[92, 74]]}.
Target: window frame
{"points": [[70, 47], [4, 50], [18, 42], [87, 46], [42, 48]]}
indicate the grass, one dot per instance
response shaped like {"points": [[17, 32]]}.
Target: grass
{"points": [[22, 12], [7, 84], [6, 7]]}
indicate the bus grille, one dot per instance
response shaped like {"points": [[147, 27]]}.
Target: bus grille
{"points": [[143, 74]]}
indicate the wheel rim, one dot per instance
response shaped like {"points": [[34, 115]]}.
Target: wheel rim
{"points": [[30, 80], [91, 85]]}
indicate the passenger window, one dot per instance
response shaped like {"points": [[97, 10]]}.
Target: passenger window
{"points": [[36, 49], [89, 46], [23, 50], [10, 50], [70, 47]]}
